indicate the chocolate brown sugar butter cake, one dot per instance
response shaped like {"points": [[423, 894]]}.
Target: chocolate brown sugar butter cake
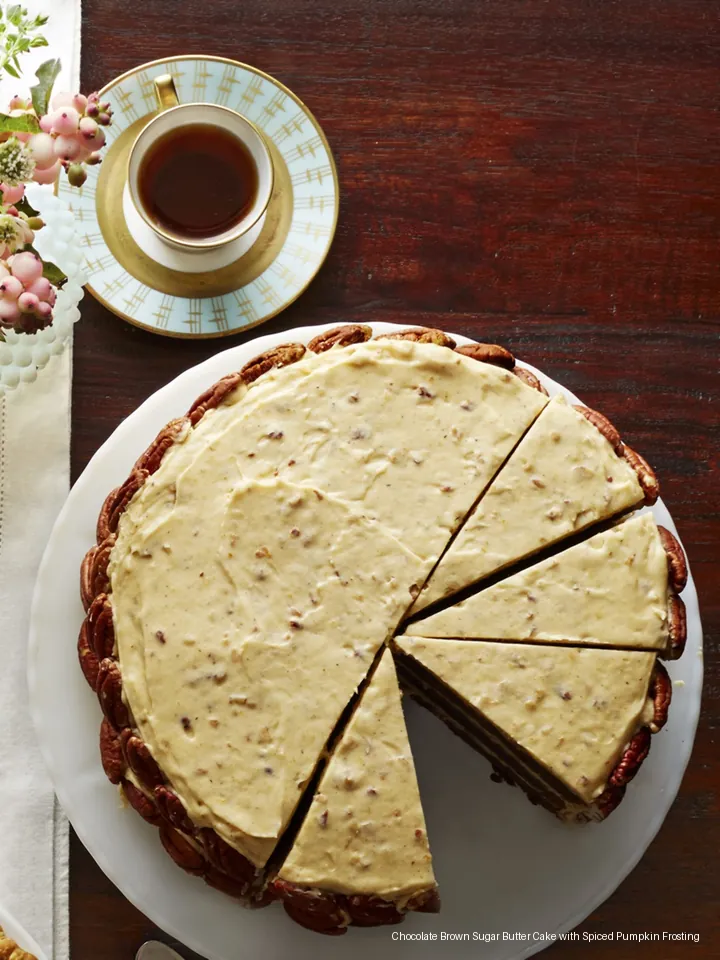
{"points": [[250, 574]]}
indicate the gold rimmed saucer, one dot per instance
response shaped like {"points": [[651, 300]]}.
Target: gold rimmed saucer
{"points": [[293, 243]]}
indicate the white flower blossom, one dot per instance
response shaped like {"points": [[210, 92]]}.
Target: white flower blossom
{"points": [[14, 234], [16, 164]]}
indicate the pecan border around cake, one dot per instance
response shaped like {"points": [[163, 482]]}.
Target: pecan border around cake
{"points": [[126, 759]]}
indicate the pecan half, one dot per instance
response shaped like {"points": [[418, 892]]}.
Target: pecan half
{"points": [[677, 623], [372, 911], [421, 335], [152, 458], [172, 810], [89, 663], [111, 753], [233, 888], [87, 593], [528, 377], [181, 850], [109, 691], [213, 397], [316, 911], [609, 800], [141, 761], [488, 353], [677, 565], [281, 356], [603, 425], [93, 571], [632, 759], [225, 858], [101, 633], [140, 803], [116, 502], [661, 694], [340, 337], [645, 474]]}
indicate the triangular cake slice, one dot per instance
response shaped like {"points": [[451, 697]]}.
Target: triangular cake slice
{"points": [[615, 589], [293, 590], [567, 473], [362, 853], [571, 725]]}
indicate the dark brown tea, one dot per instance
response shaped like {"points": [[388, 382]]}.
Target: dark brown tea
{"points": [[197, 181]]}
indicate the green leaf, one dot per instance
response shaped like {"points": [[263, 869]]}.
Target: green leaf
{"points": [[46, 74], [15, 14], [24, 206], [51, 271], [54, 274], [25, 123], [12, 71]]}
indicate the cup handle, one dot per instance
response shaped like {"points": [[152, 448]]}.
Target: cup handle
{"points": [[165, 92]]}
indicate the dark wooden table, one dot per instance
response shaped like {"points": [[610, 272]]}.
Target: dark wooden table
{"points": [[541, 173]]}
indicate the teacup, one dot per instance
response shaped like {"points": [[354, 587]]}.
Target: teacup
{"points": [[200, 178]]}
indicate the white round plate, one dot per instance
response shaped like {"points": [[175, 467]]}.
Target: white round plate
{"points": [[13, 930], [502, 864]]}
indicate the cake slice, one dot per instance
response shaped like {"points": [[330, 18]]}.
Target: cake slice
{"points": [[570, 725], [361, 856], [241, 645], [617, 589], [567, 473]]}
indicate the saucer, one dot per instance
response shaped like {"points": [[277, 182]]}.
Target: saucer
{"points": [[292, 242]]}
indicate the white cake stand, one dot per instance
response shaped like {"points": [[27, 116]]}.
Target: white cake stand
{"points": [[502, 864]]}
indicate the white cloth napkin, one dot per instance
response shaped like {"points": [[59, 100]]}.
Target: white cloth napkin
{"points": [[34, 482]]}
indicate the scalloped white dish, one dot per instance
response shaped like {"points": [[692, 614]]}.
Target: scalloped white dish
{"points": [[501, 864]]}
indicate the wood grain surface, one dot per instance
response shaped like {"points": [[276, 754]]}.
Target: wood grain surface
{"points": [[540, 173]]}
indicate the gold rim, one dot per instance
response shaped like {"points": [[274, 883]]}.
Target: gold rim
{"points": [[323, 139], [218, 243]]}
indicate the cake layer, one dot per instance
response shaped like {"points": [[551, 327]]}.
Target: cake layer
{"points": [[365, 831], [564, 476], [242, 632], [411, 433], [573, 710], [609, 590]]}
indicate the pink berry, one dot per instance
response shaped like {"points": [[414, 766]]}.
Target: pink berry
{"points": [[92, 109], [10, 288], [62, 99], [40, 287], [79, 102], [9, 312], [67, 148], [96, 142], [43, 311], [12, 195], [88, 127], [26, 266], [46, 123], [65, 121], [48, 174], [18, 103], [40, 148], [28, 302]]}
